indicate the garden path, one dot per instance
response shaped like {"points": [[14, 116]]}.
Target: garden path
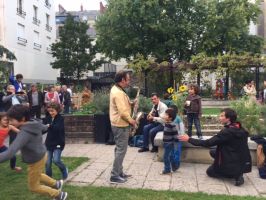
{"points": [[146, 170]]}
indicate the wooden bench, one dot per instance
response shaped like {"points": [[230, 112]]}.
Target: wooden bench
{"points": [[195, 154]]}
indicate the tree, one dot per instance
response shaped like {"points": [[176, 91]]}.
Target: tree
{"points": [[75, 53], [5, 55], [176, 29], [4, 52]]}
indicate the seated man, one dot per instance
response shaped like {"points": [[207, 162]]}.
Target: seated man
{"points": [[156, 125], [231, 157]]}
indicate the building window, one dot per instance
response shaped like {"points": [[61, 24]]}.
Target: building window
{"points": [[20, 10], [47, 4], [36, 40], [108, 67], [35, 16], [21, 35], [48, 27], [48, 47]]}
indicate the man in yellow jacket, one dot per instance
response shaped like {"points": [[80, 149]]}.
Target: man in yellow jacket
{"points": [[120, 117]]}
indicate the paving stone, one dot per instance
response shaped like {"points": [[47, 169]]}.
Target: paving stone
{"points": [[184, 184], [157, 185], [246, 189], [133, 182], [190, 177]]}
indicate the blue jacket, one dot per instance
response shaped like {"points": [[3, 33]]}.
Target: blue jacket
{"points": [[14, 82]]}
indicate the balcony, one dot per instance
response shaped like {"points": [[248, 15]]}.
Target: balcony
{"points": [[47, 4], [36, 21], [21, 12], [22, 41], [37, 46], [48, 28], [48, 50]]}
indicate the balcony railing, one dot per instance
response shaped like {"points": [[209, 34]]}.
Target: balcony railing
{"points": [[22, 41], [37, 46], [48, 28], [21, 12], [47, 4], [36, 21]]}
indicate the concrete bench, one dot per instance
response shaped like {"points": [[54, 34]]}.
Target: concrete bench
{"points": [[195, 154]]}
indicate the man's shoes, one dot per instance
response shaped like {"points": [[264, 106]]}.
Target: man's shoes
{"points": [[239, 181], [59, 184], [117, 180], [154, 149], [17, 169], [143, 150], [125, 176], [165, 172], [200, 137], [61, 196]]}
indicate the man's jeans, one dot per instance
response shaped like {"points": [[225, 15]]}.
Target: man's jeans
{"points": [[151, 130], [55, 156], [121, 135], [190, 118]]}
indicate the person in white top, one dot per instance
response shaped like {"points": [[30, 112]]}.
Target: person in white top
{"points": [[156, 125]]}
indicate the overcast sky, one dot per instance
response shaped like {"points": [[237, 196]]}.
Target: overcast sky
{"points": [[74, 5]]}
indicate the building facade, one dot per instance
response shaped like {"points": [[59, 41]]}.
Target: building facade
{"points": [[27, 28]]}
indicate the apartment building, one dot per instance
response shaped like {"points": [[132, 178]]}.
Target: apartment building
{"points": [[27, 28]]}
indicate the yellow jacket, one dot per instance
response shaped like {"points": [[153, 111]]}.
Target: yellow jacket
{"points": [[120, 107]]}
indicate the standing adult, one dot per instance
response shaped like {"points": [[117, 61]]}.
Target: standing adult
{"points": [[17, 82], [156, 125], [66, 99], [120, 117], [231, 156], [36, 100]]}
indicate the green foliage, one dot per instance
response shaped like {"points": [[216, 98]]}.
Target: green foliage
{"points": [[101, 101], [86, 109], [74, 52], [8, 54], [179, 99], [177, 29], [145, 104], [249, 114]]}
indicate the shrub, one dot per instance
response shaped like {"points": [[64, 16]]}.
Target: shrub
{"points": [[249, 114]]}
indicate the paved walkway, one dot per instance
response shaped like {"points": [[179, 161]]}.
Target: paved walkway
{"points": [[146, 173]]}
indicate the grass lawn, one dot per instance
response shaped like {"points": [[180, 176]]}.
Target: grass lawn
{"points": [[14, 187], [211, 111]]}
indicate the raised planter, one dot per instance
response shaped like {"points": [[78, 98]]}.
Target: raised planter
{"points": [[102, 128], [79, 128], [197, 154]]}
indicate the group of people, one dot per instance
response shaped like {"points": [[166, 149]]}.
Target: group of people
{"points": [[20, 123], [34, 99], [230, 148], [231, 153]]}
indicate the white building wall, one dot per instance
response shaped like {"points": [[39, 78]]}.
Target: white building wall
{"points": [[32, 61]]}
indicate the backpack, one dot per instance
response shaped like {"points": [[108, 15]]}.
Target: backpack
{"points": [[261, 161], [260, 156]]}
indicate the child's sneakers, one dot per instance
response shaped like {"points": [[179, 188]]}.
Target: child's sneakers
{"points": [[61, 196], [17, 169], [165, 172], [59, 184]]}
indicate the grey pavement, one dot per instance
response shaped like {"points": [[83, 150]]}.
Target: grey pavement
{"points": [[145, 169]]}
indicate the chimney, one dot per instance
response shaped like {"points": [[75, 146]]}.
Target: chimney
{"points": [[81, 8]]}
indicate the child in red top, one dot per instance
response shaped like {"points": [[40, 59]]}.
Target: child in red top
{"points": [[5, 128]]}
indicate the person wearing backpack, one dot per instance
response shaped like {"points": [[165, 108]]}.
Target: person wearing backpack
{"points": [[232, 156]]}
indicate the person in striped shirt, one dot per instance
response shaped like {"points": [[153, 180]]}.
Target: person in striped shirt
{"points": [[170, 134]]}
